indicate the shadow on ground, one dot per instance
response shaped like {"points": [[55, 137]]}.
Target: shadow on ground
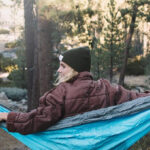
{"points": [[8, 142]]}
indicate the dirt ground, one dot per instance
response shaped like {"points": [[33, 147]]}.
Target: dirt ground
{"points": [[8, 142]]}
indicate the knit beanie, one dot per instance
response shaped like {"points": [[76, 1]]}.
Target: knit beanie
{"points": [[78, 58]]}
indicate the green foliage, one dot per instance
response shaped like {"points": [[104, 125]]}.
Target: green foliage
{"points": [[113, 39], [15, 94], [5, 84], [76, 21], [18, 78], [16, 68], [55, 25], [142, 7], [1, 81], [18, 75], [139, 65], [6, 63], [11, 45], [147, 66], [137, 44], [136, 67], [98, 64], [4, 31]]}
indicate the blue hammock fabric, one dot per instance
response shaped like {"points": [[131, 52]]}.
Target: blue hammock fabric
{"points": [[113, 128]]}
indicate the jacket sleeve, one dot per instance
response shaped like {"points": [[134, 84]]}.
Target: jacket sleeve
{"points": [[118, 94], [50, 111]]}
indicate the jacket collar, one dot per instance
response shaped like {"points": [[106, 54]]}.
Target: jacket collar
{"points": [[85, 75], [82, 76]]}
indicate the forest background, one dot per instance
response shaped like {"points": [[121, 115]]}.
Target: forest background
{"points": [[117, 32]]}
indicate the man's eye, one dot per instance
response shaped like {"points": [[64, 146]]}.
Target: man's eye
{"points": [[63, 66]]}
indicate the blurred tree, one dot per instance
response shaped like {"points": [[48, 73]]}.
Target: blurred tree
{"points": [[113, 37], [147, 67], [1, 3], [31, 57], [137, 44], [85, 23], [18, 73], [135, 10], [98, 63], [15, 6], [94, 27], [44, 50], [6, 64]]}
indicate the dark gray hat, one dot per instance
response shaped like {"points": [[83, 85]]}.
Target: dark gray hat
{"points": [[78, 58]]}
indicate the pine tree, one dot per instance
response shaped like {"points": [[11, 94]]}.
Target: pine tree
{"points": [[113, 37]]}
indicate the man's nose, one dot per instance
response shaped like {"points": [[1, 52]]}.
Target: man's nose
{"points": [[59, 70]]}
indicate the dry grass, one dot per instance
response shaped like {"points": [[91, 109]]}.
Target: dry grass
{"points": [[135, 80], [138, 80]]}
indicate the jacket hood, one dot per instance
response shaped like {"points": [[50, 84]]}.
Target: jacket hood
{"points": [[82, 76], [85, 74]]}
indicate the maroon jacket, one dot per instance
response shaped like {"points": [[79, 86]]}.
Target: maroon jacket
{"points": [[80, 95]]}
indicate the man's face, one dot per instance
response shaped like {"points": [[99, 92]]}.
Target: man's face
{"points": [[63, 69]]}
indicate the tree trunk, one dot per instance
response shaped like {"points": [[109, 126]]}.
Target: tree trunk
{"points": [[29, 43], [111, 69], [45, 50], [111, 61], [35, 83], [45, 56], [38, 52], [128, 45], [35, 87]]}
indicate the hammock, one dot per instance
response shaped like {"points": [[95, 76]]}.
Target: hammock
{"points": [[113, 128]]}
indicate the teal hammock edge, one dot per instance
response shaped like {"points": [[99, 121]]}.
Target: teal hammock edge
{"points": [[117, 134], [124, 132]]}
